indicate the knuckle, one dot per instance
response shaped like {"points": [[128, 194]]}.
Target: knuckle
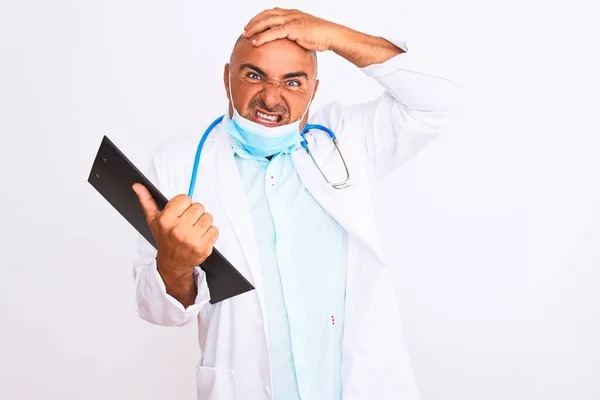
{"points": [[205, 220], [183, 199], [178, 233], [197, 208], [178, 197], [212, 235], [161, 223]]}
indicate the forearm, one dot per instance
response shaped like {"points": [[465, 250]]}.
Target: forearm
{"points": [[182, 287], [362, 49]]}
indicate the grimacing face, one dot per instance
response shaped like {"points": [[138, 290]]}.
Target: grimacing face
{"points": [[271, 84]]}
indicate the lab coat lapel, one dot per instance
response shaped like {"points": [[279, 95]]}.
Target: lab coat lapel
{"points": [[219, 167], [351, 206]]}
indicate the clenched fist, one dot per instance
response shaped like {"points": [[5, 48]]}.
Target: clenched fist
{"points": [[183, 231]]}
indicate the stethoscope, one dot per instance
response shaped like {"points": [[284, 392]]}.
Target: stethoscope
{"points": [[336, 185]]}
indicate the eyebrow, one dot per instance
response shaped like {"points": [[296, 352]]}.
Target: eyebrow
{"points": [[299, 74], [263, 74]]}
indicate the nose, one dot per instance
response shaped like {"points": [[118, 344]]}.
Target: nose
{"points": [[271, 95]]}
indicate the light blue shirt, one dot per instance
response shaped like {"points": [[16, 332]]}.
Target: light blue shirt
{"points": [[302, 252]]}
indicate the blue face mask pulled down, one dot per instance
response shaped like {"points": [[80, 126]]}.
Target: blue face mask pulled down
{"points": [[263, 141]]}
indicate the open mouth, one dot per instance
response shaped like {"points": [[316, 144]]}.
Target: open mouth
{"points": [[267, 119]]}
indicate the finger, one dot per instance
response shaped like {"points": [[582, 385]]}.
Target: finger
{"points": [[266, 14], [278, 32], [177, 206], [203, 224], [193, 212], [263, 24], [146, 201], [211, 236]]}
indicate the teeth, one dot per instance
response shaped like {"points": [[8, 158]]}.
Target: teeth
{"points": [[272, 118]]}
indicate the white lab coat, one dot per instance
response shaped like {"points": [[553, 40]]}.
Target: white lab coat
{"points": [[375, 138]]}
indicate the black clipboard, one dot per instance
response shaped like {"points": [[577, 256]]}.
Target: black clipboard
{"points": [[113, 175]]}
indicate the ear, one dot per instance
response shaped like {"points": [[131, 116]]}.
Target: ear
{"points": [[315, 91], [226, 80]]}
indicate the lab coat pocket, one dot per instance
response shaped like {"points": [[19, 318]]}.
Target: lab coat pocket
{"points": [[215, 383]]}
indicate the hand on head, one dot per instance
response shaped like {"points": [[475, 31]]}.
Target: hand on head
{"points": [[308, 31]]}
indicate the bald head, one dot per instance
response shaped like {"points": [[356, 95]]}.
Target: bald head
{"points": [[246, 42]]}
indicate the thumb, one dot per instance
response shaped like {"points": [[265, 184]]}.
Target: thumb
{"points": [[146, 202]]}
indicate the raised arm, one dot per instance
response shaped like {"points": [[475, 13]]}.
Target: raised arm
{"points": [[418, 100], [417, 105]]}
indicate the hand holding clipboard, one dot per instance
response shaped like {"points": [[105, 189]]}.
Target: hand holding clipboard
{"points": [[113, 175], [185, 235]]}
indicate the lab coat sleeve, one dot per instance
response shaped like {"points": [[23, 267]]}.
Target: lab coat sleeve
{"points": [[418, 104], [154, 304]]}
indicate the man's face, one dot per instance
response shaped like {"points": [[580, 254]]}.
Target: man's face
{"points": [[271, 84]]}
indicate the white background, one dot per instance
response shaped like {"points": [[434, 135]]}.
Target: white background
{"points": [[493, 232]]}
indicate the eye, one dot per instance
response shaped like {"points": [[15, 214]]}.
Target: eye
{"points": [[293, 83], [253, 75]]}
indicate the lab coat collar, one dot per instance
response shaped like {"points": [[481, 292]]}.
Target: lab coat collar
{"points": [[350, 207]]}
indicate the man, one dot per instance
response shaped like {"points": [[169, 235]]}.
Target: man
{"points": [[323, 321]]}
